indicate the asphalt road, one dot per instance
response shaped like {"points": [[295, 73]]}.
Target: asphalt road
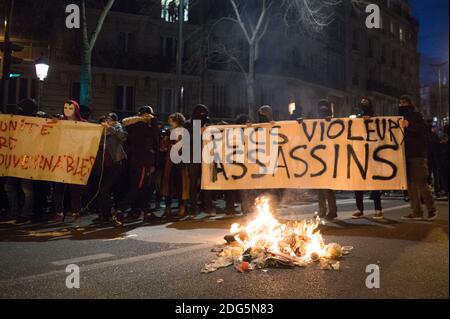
{"points": [[164, 261]]}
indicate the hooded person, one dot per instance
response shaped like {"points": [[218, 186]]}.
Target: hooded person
{"points": [[71, 112], [416, 149], [201, 114], [366, 108], [265, 114], [27, 107], [325, 111], [366, 111], [143, 146]]}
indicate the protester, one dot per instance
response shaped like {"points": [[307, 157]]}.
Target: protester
{"points": [[326, 195], [109, 164], [143, 147], [20, 191], [367, 111], [164, 143], [416, 149], [199, 113], [71, 112], [175, 177]]}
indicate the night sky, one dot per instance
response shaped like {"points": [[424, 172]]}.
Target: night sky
{"points": [[433, 38]]}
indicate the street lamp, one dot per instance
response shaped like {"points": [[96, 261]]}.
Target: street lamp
{"points": [[42, 68]]}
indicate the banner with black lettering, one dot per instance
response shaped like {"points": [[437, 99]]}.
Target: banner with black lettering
{"points": [[341, 154]]}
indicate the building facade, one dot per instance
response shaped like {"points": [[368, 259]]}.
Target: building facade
{"points": [[134, 62]]}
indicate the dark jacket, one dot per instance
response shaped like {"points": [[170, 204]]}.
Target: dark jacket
{"points": [[142, 140], [416, 141]]}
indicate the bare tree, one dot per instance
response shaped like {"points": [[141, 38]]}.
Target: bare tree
{"points": [[255, 18], [88, 46]]}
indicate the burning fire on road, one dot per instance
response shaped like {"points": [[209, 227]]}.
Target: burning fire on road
{"points": [[267, 243]]}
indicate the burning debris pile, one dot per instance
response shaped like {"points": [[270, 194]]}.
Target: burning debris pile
{"points": [[265, 243]]}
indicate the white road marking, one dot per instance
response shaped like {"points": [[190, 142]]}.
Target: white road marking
{"points": [[106, 264], [81, 259]]}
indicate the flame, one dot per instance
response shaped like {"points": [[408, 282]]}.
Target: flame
{"points": [[300, 241]]}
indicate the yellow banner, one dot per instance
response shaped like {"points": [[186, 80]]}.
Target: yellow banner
{"points": [[341, 154], [49, 150]]}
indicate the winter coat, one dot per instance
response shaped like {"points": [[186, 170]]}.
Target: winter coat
{"points": [[142, 140]]}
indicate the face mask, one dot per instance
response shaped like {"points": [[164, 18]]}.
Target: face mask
{"points": [[263, 118], [404, 111], [366, 109], [69, 110], [324, 112]]}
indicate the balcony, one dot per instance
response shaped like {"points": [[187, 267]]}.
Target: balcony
{"points": [[376, 86]]}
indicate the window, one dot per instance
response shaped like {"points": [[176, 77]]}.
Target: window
{"points": [[20, 89], [23, 89], [167, 100], [75, 91], [243, 106], [355, 79], [168, 47], [401, 34], [219, 99], [370, 48], [394, 59], [355, 40], [127, 42], [170, 9], [124, 98], [12, 91]]}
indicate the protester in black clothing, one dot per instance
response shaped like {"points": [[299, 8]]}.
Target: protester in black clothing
{"points": [[143, 144], [175, 179], [156, 186], [367, 111], [20, 191], [200, 113], [416, 149], [326, 195]]}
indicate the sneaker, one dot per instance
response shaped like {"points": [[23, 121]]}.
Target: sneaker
{"points": [[412, 217], [118, 218], [432, 216], [331, 216], [358, 215], [378, 215]]}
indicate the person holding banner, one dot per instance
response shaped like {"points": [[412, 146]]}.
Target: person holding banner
{"points": [[143, 143], [196, 125], [326, 195], [367, 112], [20, 191], [109, 164], [174, 179], [71, 112], [416, 161]]}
